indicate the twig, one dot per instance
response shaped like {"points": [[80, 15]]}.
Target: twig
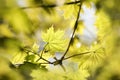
{"points": [[50, 6], [75, 27], [40, 57], [44, 49], [45, 63], [46, 60], [77, 55], [63, 67], [37, 55]]}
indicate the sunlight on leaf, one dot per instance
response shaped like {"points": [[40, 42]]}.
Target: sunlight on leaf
{"points": [[55, 40]]}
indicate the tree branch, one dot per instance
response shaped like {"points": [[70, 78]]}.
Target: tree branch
{"points": [[38, 55], [75, 27], [51, 5], [42, 59], [59, 61], [77, 55]]}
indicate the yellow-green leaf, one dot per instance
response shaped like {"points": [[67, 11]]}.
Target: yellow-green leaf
{"points": [[55, 40]]}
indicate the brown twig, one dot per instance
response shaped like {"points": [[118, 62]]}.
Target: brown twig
{"points": [[51, 5], [77, 55], [75, 27]]}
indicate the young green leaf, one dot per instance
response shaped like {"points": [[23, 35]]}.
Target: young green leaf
{"points": [[55, 41]]}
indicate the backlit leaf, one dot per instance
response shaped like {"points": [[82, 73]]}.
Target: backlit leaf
{"points": [[55, 40]]}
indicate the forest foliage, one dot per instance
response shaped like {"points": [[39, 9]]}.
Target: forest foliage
{"points": [[59, 40]]}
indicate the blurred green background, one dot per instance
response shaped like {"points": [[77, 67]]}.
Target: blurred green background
{"points": [[22, 21]]}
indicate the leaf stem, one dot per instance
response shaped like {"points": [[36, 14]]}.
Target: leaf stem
{"points": [[44, 49], [40, 56]]}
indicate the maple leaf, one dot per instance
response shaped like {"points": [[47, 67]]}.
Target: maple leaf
{"points": [[55, 40]]}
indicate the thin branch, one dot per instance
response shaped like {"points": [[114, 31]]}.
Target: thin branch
{"points": [[75, 27], [43, 59], [63, 67], [77, 55], [46, 60], [69, 3], [45, 63], [40, 57], [38, 6], [51, 5], [44, 49]]}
